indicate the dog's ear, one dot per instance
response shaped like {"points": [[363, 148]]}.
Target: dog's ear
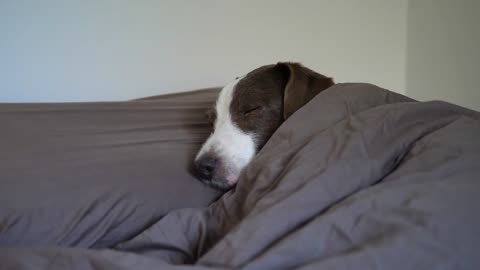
{"points": [[302, 85]]}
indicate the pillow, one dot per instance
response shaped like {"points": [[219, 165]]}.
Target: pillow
{"points": [[95, 174]]}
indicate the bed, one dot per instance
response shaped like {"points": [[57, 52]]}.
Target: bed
{"points": [[358, 178]]}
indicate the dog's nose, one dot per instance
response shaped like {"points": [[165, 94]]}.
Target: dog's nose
{"points": [[205, 166]]}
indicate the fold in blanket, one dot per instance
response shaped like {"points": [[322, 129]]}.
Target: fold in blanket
{"points": [[359, 178]]}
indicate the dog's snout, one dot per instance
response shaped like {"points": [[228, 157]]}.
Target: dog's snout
{"points": [[205, 167]]}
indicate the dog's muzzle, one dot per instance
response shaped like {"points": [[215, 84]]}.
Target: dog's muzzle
{"points": [[210, 170]]}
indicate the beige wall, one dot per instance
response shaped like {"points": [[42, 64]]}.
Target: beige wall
{"points": [[113, 50], [443, 51]]}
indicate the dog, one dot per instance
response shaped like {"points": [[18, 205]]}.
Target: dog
{"points": [[247, 112]]}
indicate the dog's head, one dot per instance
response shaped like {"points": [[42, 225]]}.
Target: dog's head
{"points": [[246, 114]]}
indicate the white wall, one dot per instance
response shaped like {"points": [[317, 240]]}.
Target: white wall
{"points": [[114, 50], [443, 51]]}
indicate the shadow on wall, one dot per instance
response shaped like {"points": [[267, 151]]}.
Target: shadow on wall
{"points": [[443, 58]]}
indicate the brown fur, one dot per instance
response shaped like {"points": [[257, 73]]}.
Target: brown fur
{"points": [[268, 95]]}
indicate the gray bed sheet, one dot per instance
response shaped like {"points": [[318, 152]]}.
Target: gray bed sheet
{"points": [[95, 174]]}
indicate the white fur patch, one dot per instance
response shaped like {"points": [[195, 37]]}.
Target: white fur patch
{"points": [[234, 148]]}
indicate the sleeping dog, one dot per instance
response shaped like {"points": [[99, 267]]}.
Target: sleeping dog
{"points": [[246, 114]]}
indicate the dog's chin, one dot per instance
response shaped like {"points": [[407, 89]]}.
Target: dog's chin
{"points": [[218, 185]]}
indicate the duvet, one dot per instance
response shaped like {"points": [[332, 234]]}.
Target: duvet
{"points": [[358, 178]]}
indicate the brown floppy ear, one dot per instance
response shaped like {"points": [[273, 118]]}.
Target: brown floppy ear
{"points": [[303, 84]]}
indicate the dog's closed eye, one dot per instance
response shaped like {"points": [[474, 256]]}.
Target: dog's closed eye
{"points": [[252, 110]]}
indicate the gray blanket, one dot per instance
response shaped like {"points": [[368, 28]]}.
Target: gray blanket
{"points": [[359, 178]]}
